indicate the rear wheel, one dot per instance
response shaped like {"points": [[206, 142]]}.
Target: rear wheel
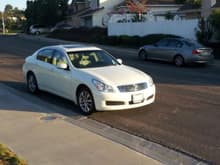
{"points": [[179, 61], [142, 55], [32, 85], [85, 101]]}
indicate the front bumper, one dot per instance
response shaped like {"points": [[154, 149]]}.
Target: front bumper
{"points": [[120, 101]]}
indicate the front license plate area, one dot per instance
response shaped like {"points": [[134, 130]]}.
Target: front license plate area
{"points": [[137, 98]]}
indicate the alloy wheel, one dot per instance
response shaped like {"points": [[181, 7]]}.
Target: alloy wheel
{"points": [[179, 61], [85, 101]]}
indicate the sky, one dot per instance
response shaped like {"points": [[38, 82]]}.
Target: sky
{"points": [[21, 4]]}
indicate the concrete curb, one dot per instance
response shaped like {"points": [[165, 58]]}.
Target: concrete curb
{"points": [[148, 148]]}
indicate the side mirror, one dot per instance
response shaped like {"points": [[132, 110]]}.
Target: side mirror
{"points": [[63, 66], [119, 61]]}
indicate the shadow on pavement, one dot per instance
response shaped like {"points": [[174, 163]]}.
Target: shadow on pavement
{"points": [[58, 104]]}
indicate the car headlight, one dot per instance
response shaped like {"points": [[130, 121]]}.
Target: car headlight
{"points": [[101, 86], [150, 82]]}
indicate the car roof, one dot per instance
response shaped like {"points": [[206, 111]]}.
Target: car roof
{"points": [[72, 47]]}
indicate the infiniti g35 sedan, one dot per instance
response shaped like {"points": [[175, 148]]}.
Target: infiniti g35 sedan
{"points": [[88, 76], [180, 51]]}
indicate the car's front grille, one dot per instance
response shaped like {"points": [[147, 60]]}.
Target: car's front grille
{"points": [[132, 87]]}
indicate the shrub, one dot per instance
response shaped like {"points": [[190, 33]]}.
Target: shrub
{"points": [[8, 157], [205, 31], [214, 20], [99, 35]]}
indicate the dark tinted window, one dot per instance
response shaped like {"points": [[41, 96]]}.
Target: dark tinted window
{"points": [[175, 44], [190, 43], [45, 55], [163, 42], [38, 26]]}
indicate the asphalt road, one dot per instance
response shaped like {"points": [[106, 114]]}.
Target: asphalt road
{"points": [[185, 116]]}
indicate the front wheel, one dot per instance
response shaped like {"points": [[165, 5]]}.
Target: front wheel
{"points": [[86, 101], [142, 55], [179, 61]]}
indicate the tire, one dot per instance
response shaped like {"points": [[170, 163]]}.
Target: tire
{"points": [[85, 101], [179, 61], [142, 55], [37, 33], [32, 85]]}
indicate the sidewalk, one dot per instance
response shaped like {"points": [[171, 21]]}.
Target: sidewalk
{"points": [[56, 142]]}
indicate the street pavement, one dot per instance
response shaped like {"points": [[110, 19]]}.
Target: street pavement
{"points": [[30, 130], [184, 118]]}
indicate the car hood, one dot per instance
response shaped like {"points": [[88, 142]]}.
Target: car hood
{"points": [[118, 74]]}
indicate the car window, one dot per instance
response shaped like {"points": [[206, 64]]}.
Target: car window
{"points": [[45, 56], [163, 42], [39, 26], [58, 58], [90, 59], [175, 44], [190, 43]]}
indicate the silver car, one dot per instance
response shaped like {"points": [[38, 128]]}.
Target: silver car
{"points": [[39, 29], [180, 51]]}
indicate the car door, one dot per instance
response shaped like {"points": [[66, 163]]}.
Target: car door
{"points": [[62, 82], [171, 49], [43, 68], [158, 50]]}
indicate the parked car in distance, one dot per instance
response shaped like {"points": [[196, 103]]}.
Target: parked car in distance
{"points": [[62, 27], [88, 76], [38, 29], [180, 51]]}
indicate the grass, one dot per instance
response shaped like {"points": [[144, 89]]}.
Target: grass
{"points": [[7, 157]]}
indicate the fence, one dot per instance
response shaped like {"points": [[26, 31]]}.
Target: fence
{"points": [[184, 28]]}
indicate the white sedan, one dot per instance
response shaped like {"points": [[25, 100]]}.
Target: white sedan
{"points": [[88, 76]]}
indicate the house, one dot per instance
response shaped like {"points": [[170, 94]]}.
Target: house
{"points": [[208, 6], [153, 10], [190, 11], [216, 5], [91, 13]]}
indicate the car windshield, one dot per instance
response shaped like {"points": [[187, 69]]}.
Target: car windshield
{"points": [[91, 59]]}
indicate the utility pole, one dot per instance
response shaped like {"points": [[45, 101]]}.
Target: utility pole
{"points": [[3, 23]]}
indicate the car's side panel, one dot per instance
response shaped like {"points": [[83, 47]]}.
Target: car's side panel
{"points": [[61, 82]]}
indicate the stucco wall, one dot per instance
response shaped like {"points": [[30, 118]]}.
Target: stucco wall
{"points": [[184, 28]]}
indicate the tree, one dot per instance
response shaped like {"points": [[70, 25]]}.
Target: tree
{"points": [[46, 12], [195, 3], [138, 7], [214, 20], [169, 16], [13, 17], [8, 8], [205, 30]]}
